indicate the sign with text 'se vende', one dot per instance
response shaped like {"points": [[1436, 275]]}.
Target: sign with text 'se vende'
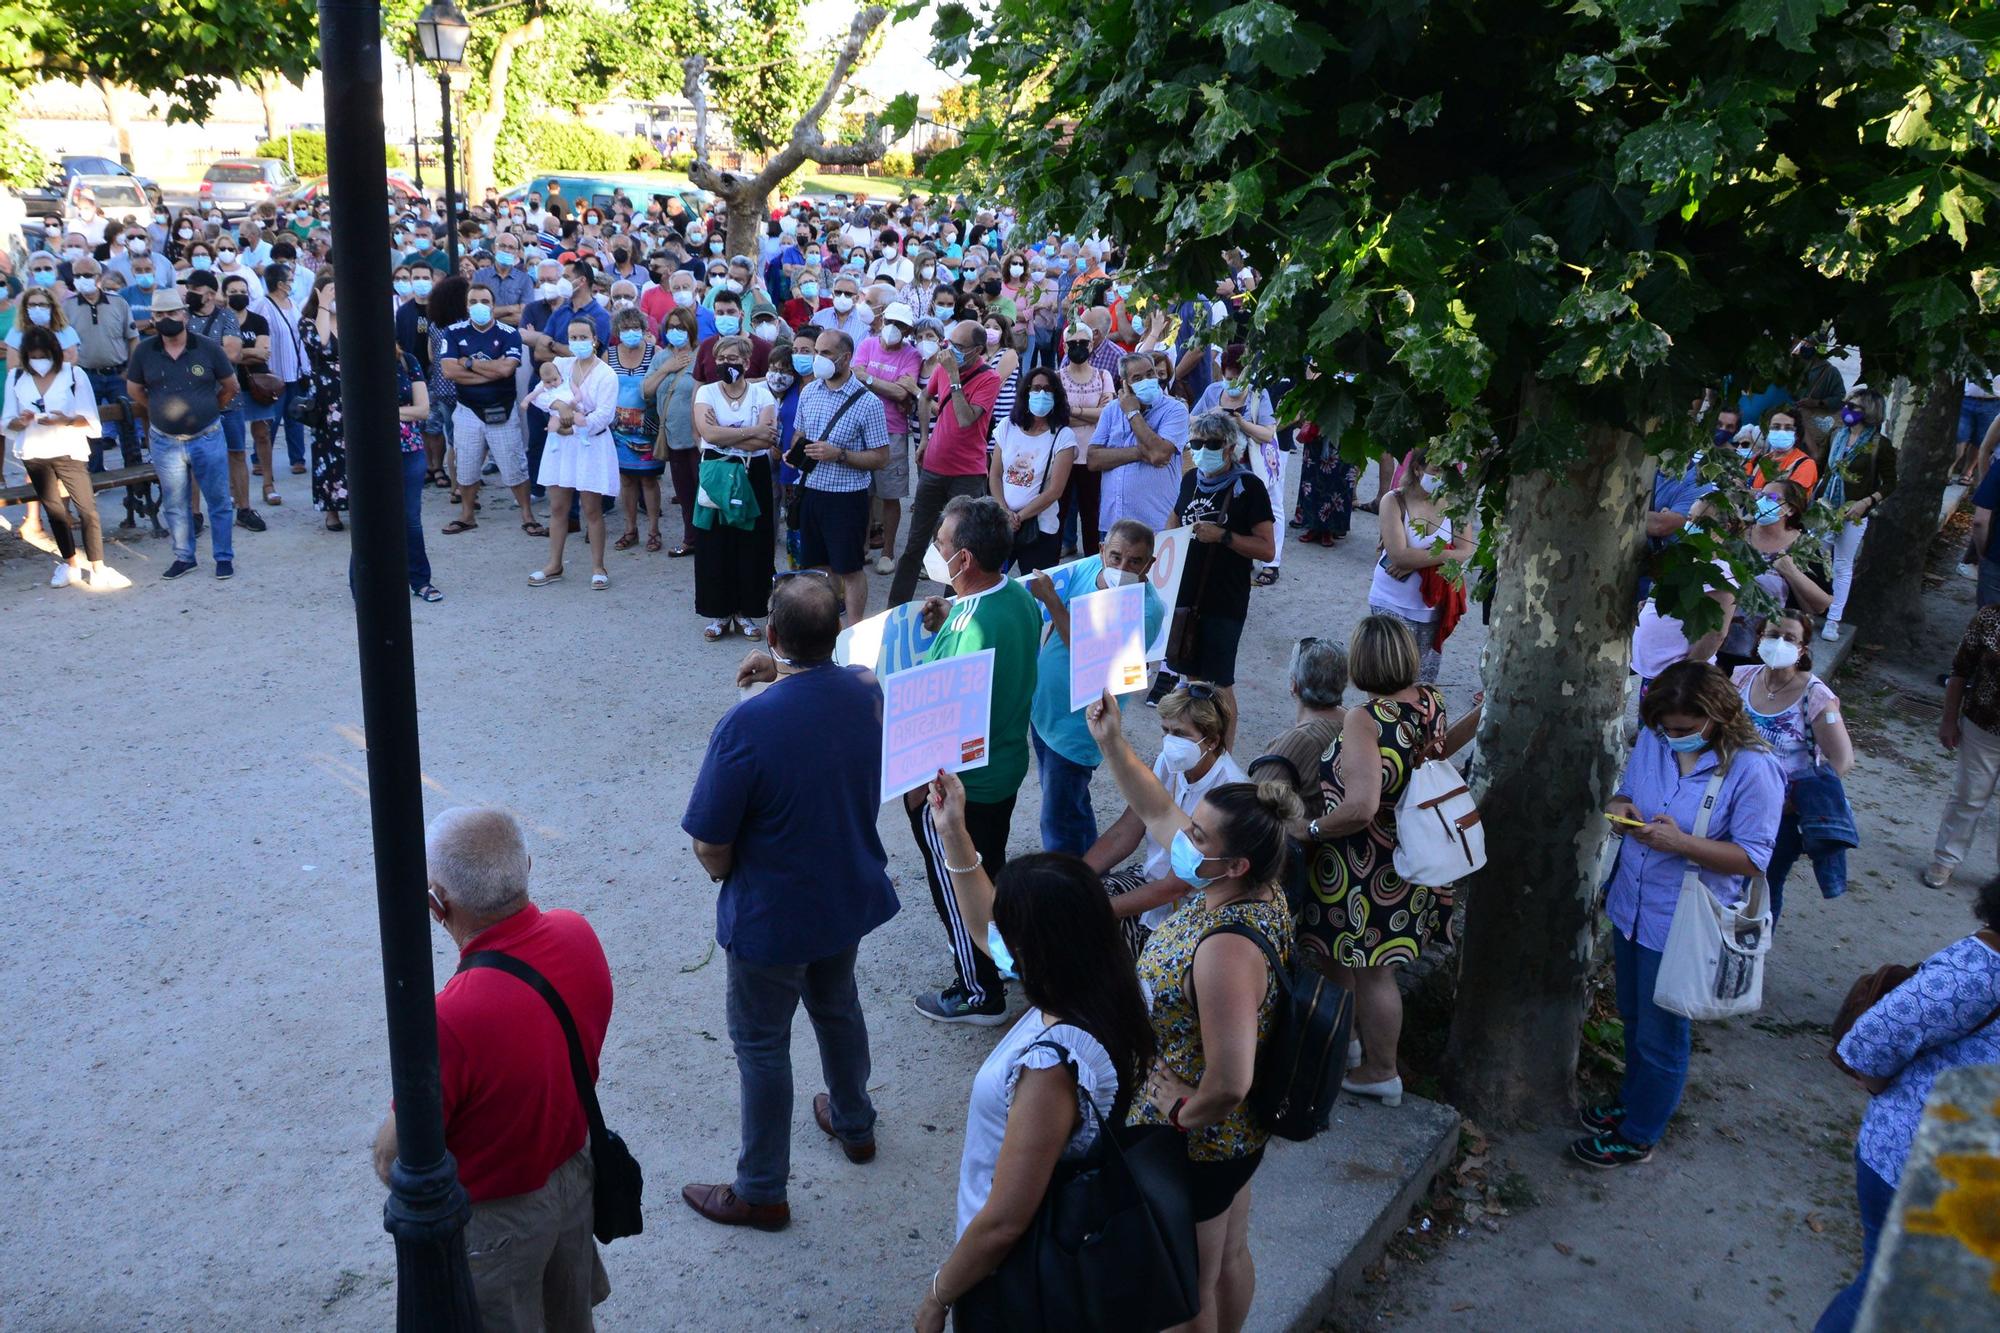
{"points": [[1107, 643], [936, 716]]}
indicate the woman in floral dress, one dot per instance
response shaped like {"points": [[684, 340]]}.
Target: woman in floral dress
{"points": [[1363, 917], [319, 330], [1326, 487]]}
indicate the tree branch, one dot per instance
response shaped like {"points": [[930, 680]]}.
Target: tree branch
{"points": [[807, 142]]}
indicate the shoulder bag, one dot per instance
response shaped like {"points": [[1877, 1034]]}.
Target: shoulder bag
{"points": [[1111, 1248], [796, 455], [1439, 839], [618, 1183], [1713, 965]]}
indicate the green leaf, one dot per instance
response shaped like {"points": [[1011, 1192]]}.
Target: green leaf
{"points": [[1262, 35], [1792, 22], [1934, 302]]}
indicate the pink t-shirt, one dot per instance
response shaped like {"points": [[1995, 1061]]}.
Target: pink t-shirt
{"points": [[889, 364], [955, 450]]}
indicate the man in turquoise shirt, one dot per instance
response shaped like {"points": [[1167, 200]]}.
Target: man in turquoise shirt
{"points": [[1065, 755]]}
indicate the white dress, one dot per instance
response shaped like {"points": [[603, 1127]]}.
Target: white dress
{"points": [[1025, 463], [586, 460]]}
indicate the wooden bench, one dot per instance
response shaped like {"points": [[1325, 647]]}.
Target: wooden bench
{"points": [[142, 498]]}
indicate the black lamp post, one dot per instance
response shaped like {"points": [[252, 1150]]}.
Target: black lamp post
{"points": [[442, 34], [427, 1208]]}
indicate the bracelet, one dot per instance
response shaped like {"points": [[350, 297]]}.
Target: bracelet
{"points": [[934, 1291], [977, 861], [1174, 1115]]}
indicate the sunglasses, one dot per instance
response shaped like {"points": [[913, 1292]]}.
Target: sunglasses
{"points": [[1201, 689], [820, 574]]}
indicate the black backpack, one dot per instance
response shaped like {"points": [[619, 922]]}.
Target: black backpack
{"points": [[1301, 1063]]}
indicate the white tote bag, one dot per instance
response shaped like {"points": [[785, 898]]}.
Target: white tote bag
{"points": [[1713, 965], [1439, 839]]}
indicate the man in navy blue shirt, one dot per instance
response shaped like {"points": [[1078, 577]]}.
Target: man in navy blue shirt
{"points": [[582, 304], [481, 356], [783, 817]]}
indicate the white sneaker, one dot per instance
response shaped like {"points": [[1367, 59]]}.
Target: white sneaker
{"points": [[1832, 632], [1389, 1092], [60, 579], [103, 578], [1353, 1052], [884, 565], [1969, 571]]}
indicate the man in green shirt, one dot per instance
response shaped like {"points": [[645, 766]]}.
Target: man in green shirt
{"points": [[987, 610]]}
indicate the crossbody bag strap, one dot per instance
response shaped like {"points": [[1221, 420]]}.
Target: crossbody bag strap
{"points": [[586, 1090], [841, 411], [1076, 1072]]}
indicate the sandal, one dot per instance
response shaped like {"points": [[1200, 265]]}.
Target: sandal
{"points": [[534, 529], [541, 578], [600, 581], [750, 629], [1264, 578], [715, 629], [677, 552], [653, 542], [298, 469], [333, 523], [428, 593], [458, 525], [626, 542], [272, 498], [440, 479]]}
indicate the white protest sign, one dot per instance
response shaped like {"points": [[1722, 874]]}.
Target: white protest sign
{"points": [[893, 641], [1170, 552], [1107, 643], [935, 716]]}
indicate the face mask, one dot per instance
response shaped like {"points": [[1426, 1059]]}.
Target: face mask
{"points": [[137, 245], [1077, 352], [958, 354], [41, 365], [1117, 578], [1851, 415], [1041, 402], [185, 233], [482, 313], [802, 362], [420, 286], [201, 263], [145, 278], [1685, 744], [843, 303], [619, 303], [1179, 753], [401, 286], [787, 226], [564, 288], [1430, 482], [1769, 511], [1210, 460], [928, 272], [715, 247], [631, 337], [728, 324], [823, 367], [239, 300], [996, 949], [809, 290], [992, 337], [548, 291], [936, 568], [44, 277], [505, 259], [581, 347], [169, 328], [423, 243], [1781, 440], [1747, 449], [677, 338], [731, 372], [1059, 264], [1186, 859], [40, 314], [1779, 653], [1147, 391], [891, 336], [1722, 436], [683, 298], [1013, 270], [927, 348], [73, 253], [945, 313], [84, 284]]}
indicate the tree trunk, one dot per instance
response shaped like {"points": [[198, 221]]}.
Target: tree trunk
{"points": [[1889, 572], [114, 111], [1551, 751], [481, 129], [267, 97]]}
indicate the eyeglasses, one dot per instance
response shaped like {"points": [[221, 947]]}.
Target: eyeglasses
{"points": [[1201, 689], [821, 574]]}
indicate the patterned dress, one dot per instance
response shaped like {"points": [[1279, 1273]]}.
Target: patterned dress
{"points": [[1165, 970], [1326, 486], [1361, 913], [329, 439]]}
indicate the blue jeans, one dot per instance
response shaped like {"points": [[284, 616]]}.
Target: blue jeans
{"points": [[762, 999], [235, 433], [414, 472], [207, 457], [1875, 1196], [1974, 416], [1657, 1042], [109, 387], [1069, 824]]}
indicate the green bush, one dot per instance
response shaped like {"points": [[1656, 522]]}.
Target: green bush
{"points": [[680, 161], [896, 162], [561, 145], [308, 152], [645, 157]]}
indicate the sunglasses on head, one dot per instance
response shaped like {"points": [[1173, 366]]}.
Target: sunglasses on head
{"points": [[821, 574], [1201, 689]]}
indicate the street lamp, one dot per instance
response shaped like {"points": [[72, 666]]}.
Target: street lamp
{"points": [[442, 34]]}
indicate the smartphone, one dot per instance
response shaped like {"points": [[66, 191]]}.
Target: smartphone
{"points": [[1629, 823]]}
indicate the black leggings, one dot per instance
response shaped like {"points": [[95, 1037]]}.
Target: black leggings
{"points": [[74, 476]]}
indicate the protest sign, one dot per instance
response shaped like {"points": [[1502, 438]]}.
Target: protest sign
{"points": [[893, 641], [935, 715], [1107, 643], [1170, 551]]}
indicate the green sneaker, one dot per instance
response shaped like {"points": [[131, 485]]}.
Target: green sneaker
{"points": [[1610, 1150]]}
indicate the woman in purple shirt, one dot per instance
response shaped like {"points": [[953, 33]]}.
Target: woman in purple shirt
{"points": [[1695, 736]]}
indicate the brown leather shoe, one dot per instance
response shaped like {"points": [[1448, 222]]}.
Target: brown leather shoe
{"points": [[718, 1203], [823, 1117]]}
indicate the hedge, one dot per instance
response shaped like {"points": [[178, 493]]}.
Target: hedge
{"points": [[308, 152]]}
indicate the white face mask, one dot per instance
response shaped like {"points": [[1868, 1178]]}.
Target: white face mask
{"points": [[843, 303], [1779, 653], [1430, 482], [928, 347], [891, 336], [936, 567], [41, 365], [1116, 578], [1179, 753]]}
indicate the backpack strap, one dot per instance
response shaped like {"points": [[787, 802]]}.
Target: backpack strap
{"points": [[1255, 936]]}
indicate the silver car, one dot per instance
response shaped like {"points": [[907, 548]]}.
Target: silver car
{"points": [[239, 184]]}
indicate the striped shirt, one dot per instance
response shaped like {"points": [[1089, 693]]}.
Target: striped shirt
{"points": [[863, 426]]}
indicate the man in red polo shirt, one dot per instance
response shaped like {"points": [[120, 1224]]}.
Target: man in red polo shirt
{"points": [[512, 1119], [962, 391]]}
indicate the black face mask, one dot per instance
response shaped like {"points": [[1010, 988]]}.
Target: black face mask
{"points": [[992, 288], [169, 328], [197, 302], [1078, 352], [239, 300], [731, 372]]}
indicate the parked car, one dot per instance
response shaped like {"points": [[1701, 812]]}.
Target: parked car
{"points": [[313, 189], [47, 200], [118, 197], [239, 184], [600, 190]]}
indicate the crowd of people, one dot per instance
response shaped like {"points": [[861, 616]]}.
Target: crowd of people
{"points": [[919, 391]]}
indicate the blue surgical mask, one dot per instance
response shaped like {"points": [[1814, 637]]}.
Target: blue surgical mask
{"points": [[144, 277], [1210, 460], [420, 286], [809, 290], [1781, 440], [677, 338], [958, 354], [402, 286], [44, 277], [1681, 744], [423, 243], [1041, 402], [581, 347], [946, 313], [631, 337], [201, 262], [996, 949], [482, 313], [1147, 391], [802, 362], [715, 247], [505, 259], [726, 325], [1769, 511], [1186, 859]]}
